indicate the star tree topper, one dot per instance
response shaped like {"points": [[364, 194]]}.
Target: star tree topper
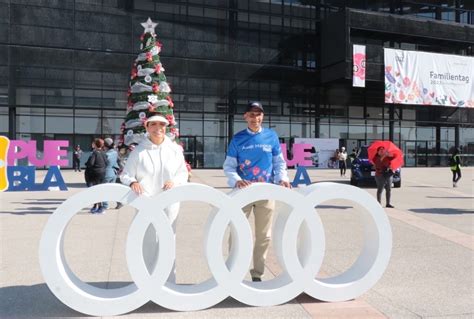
{"points": [[149, 26]]}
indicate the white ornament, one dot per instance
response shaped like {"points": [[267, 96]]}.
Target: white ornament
{"points": [[142, 115], [141, 46], [139, 68], [148, 79], [152, 98], [149, 26], [164, 87], [148, 42], [297, 226], [129, 133]]}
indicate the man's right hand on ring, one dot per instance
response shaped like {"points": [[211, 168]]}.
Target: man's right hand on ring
{"points": [[137, 188], [242, 184]]}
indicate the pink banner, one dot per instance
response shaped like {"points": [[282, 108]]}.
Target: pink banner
{"points": [[358, 65]]}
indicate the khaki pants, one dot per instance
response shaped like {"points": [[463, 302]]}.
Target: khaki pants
{"points": [[263, 213]]}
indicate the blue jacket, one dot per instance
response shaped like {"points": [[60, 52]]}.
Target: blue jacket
{"points": [[255, 157], [112, 165]]}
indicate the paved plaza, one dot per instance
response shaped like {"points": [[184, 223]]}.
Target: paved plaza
{"points": [[430, 274]]}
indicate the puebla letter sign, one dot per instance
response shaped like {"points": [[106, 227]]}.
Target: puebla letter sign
{"points": [[298, 240], [22, 178]]}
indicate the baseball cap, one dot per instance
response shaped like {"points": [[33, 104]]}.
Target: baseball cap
{"points": [[253, 105], [108, 142], [157, 118]]}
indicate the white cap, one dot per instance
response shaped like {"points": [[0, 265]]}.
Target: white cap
{"points": [[343, 148], [157, 118]]}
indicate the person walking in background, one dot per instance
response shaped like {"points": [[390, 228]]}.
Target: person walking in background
{"points": [[112, 165], [76, 158], [154, 166], [455, 165], [342, 157], [95, 170], [353, 155], [335, 159], [383, 175], [123, 152], [254, 155]]}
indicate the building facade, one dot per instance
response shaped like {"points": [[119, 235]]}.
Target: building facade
{"points": [[65, 65]]}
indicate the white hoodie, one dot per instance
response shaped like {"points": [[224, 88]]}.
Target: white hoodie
{"points": [[152, 165]]}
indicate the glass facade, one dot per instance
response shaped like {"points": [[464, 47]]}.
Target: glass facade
{"points": [[65, 65]]}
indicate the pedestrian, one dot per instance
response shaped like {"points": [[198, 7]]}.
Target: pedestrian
{"points": [[342, 157], [155, 165], [455, 164], [383, 174], [254, 155], [76, 158], [335, 159], [123, 152], [95, 170], [353, 155], [112, 165]]}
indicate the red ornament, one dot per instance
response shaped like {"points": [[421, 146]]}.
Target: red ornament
{"points": [[158, 44], [149, 57], [171, 104], [142, 37], [155, 88], [158, 68], [170, 119], [129, 92]]}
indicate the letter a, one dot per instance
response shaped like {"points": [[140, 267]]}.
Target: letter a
{"points": [[301, 177], [54, 171]]}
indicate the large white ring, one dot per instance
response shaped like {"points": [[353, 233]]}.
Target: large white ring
{"points": [[300, 262]]}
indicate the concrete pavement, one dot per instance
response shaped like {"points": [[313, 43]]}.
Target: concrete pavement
{"points": [[430, 275]]}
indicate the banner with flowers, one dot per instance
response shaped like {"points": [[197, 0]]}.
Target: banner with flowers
{"points": [[413, 77]]}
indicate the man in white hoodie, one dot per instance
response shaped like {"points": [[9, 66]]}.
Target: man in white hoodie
{"points": [[155, 165]]}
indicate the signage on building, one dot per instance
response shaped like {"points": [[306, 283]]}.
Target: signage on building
{"points": [[358, 65], [15, 177], [428, 78]]}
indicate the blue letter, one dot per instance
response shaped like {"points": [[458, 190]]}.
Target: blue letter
{"points": [[53, 171], [20, 178], [301, 177]]}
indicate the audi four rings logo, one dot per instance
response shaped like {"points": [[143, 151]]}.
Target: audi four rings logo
{"points": [[299, 266]]}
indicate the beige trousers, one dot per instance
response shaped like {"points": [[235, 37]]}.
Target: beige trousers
{"points": [[263, 213]]}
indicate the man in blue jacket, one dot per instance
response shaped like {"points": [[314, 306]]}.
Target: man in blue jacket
{"points": [[254, 155]]}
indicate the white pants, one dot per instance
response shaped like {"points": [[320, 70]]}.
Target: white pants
{"points": [[151, 246]]}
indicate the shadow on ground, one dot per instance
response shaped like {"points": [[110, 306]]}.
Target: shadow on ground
{"points": [[451, 197], [37, 301], [445, 211], [31, 210]]}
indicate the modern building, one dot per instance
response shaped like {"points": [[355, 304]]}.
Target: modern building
{"points": [[65, 65]]}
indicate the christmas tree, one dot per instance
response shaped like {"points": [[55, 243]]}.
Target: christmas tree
{"points": [[148, 93]]}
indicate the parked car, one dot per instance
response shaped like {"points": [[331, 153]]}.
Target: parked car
{"points": [[363, 171]]}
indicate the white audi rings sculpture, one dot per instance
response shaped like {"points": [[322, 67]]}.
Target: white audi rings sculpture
{"points": [[298, 239]]}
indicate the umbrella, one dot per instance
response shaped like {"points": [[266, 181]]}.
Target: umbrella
{"points": [[392, 150]]}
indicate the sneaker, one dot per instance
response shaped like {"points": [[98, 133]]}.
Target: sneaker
{"points": [[455, 184], [100, 210], [119, 205], [389, 206], [93, 210], [256, 279]]}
